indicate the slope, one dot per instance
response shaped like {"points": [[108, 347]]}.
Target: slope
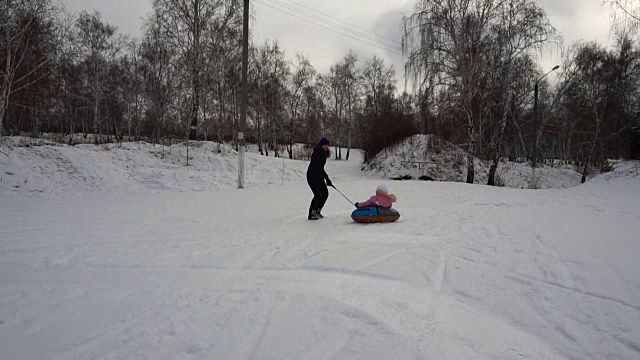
{"points": [[39, 168], [467, 273], [422, 156]]}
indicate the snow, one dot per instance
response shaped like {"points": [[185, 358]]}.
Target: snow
{"points": [[155, 269], [45, 168], [619, 169], [447, 162]]}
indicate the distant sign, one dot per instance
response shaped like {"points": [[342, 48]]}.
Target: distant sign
{"points": [[240, 135]]}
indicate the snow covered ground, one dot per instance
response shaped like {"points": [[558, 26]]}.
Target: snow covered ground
{"points": [[46, 168], [468, 272], [447, 162]]}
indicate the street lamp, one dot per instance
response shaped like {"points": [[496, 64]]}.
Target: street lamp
{"points": [[534, 157]]}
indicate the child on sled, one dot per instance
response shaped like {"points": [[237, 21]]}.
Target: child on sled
{"points": [[382, 198]]}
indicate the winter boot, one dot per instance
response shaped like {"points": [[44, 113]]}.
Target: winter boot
{"points": [[313, 216], [319, 214]]}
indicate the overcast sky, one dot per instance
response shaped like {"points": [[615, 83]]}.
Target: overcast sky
{"points": [[574, 19]]}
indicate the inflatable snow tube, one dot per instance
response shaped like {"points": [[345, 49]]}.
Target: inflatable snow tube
{"points": [[375, 215]]}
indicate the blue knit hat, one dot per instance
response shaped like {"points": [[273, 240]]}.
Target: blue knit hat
{"points": [[325, 141]]}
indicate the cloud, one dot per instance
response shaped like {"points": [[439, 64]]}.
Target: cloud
{"points": [[390, 26], [325, 47], [126, 15], [574, 19], [561, 8]]}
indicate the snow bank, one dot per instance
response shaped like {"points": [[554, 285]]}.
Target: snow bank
{"points": [[447, 162], [619, 169], [36, 166]]}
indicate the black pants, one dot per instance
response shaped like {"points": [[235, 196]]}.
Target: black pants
{"points": [[320, 191]]}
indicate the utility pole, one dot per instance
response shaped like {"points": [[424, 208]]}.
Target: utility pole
{"points": [[243, 104], [534, 155]]}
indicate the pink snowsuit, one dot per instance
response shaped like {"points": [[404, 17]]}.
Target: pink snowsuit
{"points": [[381, 199]]}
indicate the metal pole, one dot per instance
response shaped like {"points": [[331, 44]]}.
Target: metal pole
{"points": [[535, 128], [534, 156], [243, 104]]}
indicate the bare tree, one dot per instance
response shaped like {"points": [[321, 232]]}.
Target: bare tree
{"points": [[98, 47], [590, 91], [626, 10], [353, 88], [273, 73], [134, 88], [303, 77], [337, 101], [380, 114], [185, 22], [161, 78], [20, 21], [590, 62], [378, 81], [451, 38], [343, 90], [522, 27], [221, 73]]}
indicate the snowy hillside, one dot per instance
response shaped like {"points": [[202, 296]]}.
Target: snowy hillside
{"points": [[619, 169], [443, 161], [46, 168]]}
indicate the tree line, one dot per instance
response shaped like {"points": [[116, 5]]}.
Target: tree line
{"points": [[471, 66], [182, 79]]}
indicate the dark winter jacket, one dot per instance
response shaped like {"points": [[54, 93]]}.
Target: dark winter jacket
{"points": [[318, 160]]}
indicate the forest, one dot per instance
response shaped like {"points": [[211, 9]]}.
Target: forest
{"points": [[473, 78]]}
